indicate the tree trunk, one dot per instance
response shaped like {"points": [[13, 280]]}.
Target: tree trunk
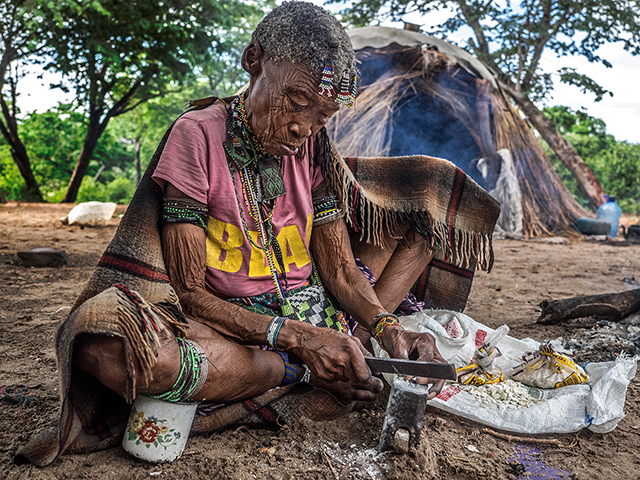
{"points": [[82, 165], [610, 306], [137, 142], [586, 179], [19, 154]]}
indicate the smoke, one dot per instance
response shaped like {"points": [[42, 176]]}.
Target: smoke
{"points": [[423, 125]]}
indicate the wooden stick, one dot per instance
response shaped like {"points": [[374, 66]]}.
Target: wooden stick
{"points": [[331, 466], [463, 459], [544, 441]]}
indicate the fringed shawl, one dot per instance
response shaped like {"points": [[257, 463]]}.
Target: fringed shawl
{"points": [[453, 212]]}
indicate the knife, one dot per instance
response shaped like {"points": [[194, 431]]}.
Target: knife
{"points": [[398, 366]]}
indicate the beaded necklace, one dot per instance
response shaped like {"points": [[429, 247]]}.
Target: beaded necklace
{"points": [[244, 151], [241, 112]]}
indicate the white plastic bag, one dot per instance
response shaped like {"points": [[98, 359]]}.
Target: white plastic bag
{"points": [[597, 405], [546, 368]]}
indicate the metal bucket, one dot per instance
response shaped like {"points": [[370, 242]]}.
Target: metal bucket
{"points": [[157, 431], [592, 226]]}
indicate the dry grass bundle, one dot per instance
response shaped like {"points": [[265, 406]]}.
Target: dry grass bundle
{"points": [[372, 114], [547, 205]]}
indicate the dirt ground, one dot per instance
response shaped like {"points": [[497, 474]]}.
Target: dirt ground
{"points": [[33, 302]]}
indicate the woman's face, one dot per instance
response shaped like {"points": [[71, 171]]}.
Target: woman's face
{"points": [[284, 107]]}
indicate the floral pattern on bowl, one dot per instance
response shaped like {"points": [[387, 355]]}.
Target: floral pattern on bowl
{"points": [[150, 431]]}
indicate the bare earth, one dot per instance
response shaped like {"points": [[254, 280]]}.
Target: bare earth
{"points": [[525, 273]]}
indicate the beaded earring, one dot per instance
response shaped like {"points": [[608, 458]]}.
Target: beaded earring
{"points": [[354, 90], [326, 84], [344, 97]]}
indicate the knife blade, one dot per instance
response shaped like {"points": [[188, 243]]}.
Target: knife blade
{"points": [[398, 366]]}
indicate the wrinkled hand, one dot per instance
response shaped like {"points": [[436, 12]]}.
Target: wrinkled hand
{"points": [[405, 344], [333, 356]]}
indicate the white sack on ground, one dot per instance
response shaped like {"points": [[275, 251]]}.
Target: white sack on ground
{"points": [[598, 405], [92, 213]]}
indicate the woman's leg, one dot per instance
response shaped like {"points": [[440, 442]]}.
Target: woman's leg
{"points": [[235, 372], [395, 267]]}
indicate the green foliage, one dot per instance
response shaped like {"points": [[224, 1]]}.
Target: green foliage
{"points": [[583, 82], [115, 56], [219, 63], [11, 182], [587, 134], [23, 30], [54, 139], [218, 72], [615, 164], [118, 54], [618, 169], [150, 121], [119, 190]]}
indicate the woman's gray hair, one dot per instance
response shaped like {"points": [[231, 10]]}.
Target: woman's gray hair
{"points": [[303, 32]]}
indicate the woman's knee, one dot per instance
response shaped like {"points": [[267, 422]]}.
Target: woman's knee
{"points": [[417, 243], [104, 357]]}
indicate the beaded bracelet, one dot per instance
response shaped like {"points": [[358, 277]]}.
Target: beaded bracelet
{"points": [[326, 209], [291, 371], [175, 211], [273, 329], [382, 321]]}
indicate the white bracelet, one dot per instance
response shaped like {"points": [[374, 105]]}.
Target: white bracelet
{"points": [[307, 375], [273, 329]]}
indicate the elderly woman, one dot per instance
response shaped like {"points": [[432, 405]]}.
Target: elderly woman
{"points": [[271, 263], [246, 212]]}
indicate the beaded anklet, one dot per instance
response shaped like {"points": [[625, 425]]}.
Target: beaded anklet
{"points": [[192, 376], [290, 370], [382, 321]]}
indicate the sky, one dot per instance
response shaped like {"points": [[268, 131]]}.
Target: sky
{"points": [[621, 112]]}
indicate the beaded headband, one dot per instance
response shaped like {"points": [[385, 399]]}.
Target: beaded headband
{"points": [[348, 86]]}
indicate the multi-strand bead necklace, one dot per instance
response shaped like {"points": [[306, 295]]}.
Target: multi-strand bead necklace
{"points": [[243, 151]]}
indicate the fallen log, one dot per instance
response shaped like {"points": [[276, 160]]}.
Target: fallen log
{"points": [[610, 306]]}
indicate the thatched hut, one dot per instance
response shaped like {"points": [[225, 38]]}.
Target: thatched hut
{"points": [[422, 95]]}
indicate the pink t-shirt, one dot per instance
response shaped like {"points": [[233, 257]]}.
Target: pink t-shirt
{"points": [[194, 161]]}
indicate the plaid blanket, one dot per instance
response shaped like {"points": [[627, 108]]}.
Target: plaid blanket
{"points": [[445, 205]]}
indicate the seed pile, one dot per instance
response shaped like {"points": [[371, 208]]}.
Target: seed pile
{"points": [[507, 394]]}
